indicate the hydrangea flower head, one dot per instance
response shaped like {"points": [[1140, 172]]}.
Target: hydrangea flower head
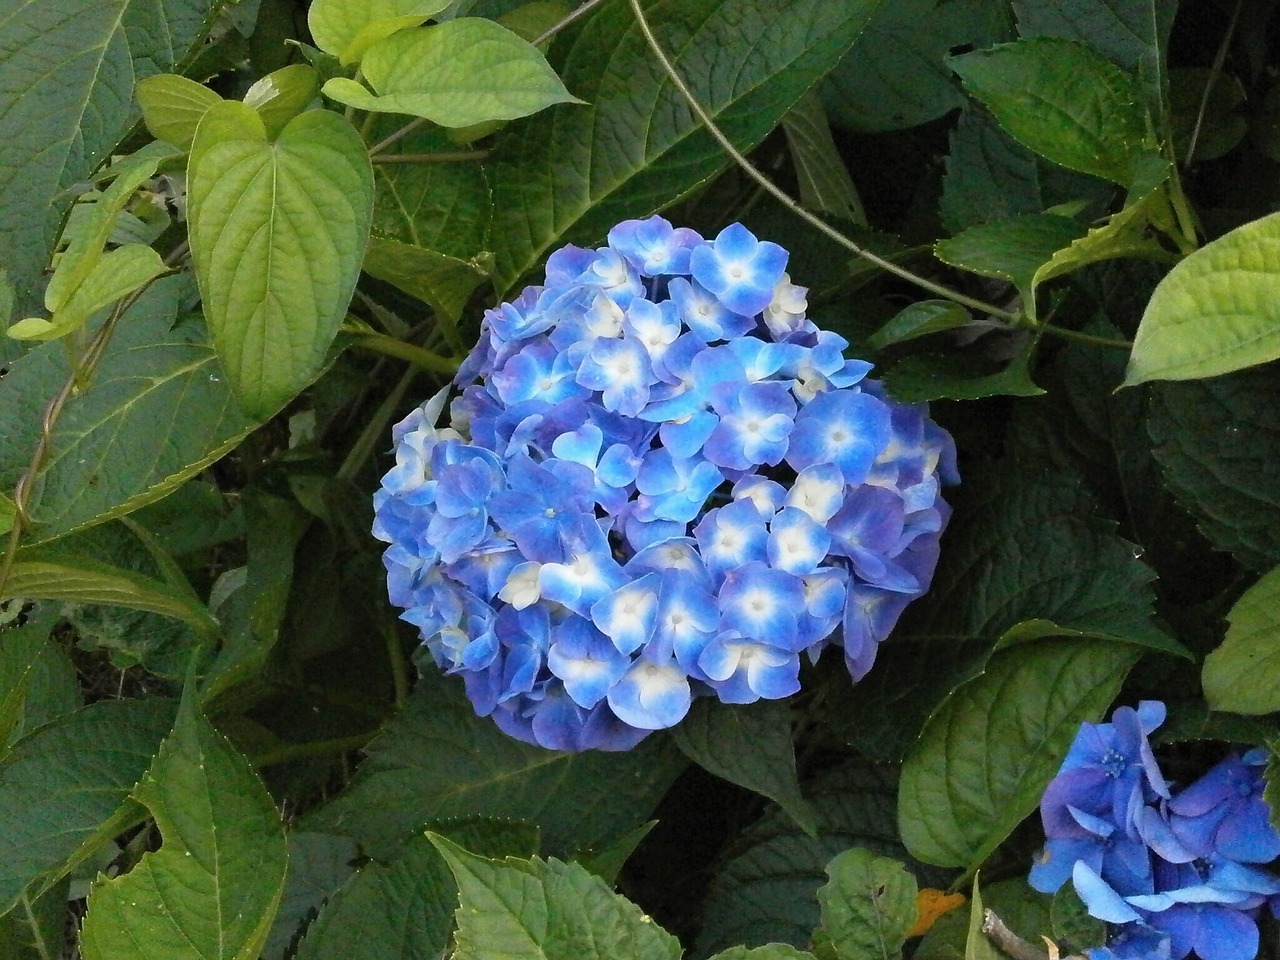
{"points": [[1171, 871], [659, 481]]}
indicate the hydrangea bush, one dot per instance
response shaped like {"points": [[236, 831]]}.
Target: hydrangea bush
{"points": [[1170, 868], [660, 481]]}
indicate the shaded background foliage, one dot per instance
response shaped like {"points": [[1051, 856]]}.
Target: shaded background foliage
{"points": [[200, 676]]}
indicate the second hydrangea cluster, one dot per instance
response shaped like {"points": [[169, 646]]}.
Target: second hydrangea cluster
{"points": [[660, 480], [1171, 871]]}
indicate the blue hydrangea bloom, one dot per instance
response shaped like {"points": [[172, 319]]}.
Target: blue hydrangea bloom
{"points": [[658, 480], [1170, 871]]}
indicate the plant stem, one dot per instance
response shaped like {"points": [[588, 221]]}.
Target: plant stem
{"points": [[572, 16], [310, 750], [391, 347], [442, 157], [395, 655], [1079, 337], [780, 195], [376, 428]]}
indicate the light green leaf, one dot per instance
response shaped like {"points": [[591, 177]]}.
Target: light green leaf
{"points": [[404, 910], [8, 513], [282, 95], [748, 745], [1216, 311], [85, 250], [542, 909], [41, 574], [825, 184], [568, 176], [172, 107], [346, 29], [1011, 250], [438, 759], [455, 74], [1243, 674], [64, 787], [868, 905], [210, 891], [445, 282], [985, 757], [116, 275], [156, 413], [277, 235], [918, 320], [1063, 100]]}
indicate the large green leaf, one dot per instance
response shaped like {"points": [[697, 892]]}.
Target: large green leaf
{"points": [[21, 650], [67, 71], [1063, 100], [210, 891], [543, 909], [824, 180], [1218, 442], [404, 910], [749, 745], [438, 759], [569, 175], [156, 413], [868, 905], [896, 75], [443, 281], [1012, 250], [455, 74], [1217, 311], [319, 863], [63, 786], [985, 757], [1243, 675], [172, 107], [770, 951], [278, 231]]}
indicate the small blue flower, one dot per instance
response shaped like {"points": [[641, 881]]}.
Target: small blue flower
{"points": [[739, 269], [653, 246]]}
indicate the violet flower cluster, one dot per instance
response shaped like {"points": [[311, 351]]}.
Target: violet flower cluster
{"points": [[1169, 870], [660, 481]]}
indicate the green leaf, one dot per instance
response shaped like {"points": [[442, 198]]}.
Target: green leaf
{"points": [[1011, 250], [347, 29], [282, 95], [456, 74], [278, 231], [445, 282], [1214, 312], [36, 928], [172, 107], [770, 951], [1243, 674], [568, 176], [63, 787], [1073, 927], [976, 945], [825, 184], [607, 861], [117, 274], [405, 909], [319, 863], [540, 909], [932, 376], [21, 651], [1218, 442], [1022, 909], [747, 745], [210, 891], [8, 513], [868, 905], [41, 574], [1271, 792], [985, 757], [896, 76], [1063, 100], [82, 256], [1132, 34], [438, 759], [156, 413], [766, 888], [919, 320]]}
